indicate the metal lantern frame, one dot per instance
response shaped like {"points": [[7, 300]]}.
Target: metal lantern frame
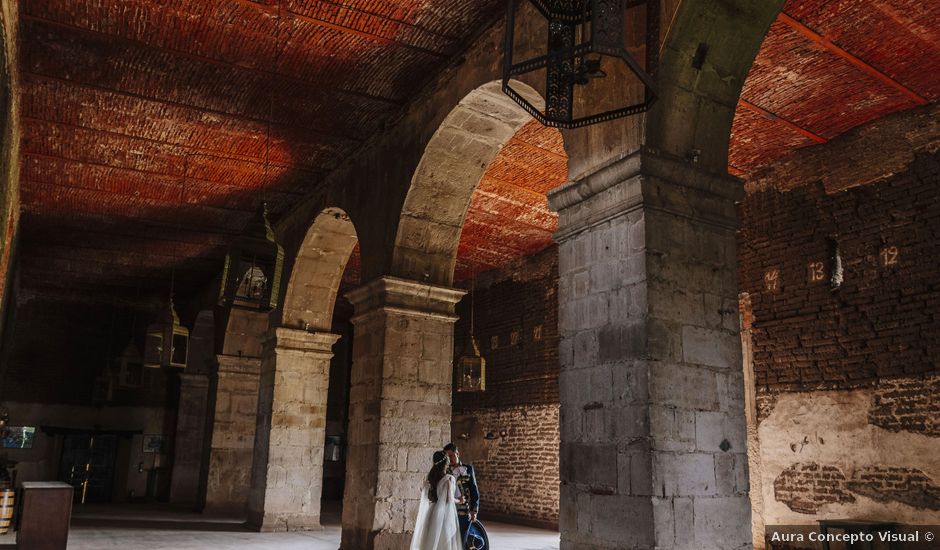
{"points": [[567, 62], [255, 249], [471, 366], [167, 329]]}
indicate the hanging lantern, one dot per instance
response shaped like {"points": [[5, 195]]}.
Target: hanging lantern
{"points": [[587, 41], [471, 368], [252, 273], [167, 343]]}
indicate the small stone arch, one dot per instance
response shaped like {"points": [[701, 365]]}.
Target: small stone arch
{"points": [[318, 271], [453, 162]]}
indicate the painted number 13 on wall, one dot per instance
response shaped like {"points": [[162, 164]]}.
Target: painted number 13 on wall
{"points": [[817, 271]]}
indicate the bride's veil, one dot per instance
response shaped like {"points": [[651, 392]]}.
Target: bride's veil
{"points": [[436, 524]]}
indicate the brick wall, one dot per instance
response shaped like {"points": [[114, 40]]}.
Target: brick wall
{"points": [[879, 322], [838, 257], [516, 311]]}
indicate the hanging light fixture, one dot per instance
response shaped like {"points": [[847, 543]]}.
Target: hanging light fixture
{"points": [[251, 276], [587, 40], [252, 273], [471, 366], [167, 340]]}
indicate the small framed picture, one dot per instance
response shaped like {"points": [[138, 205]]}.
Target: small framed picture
{"points": [[154, 443]]}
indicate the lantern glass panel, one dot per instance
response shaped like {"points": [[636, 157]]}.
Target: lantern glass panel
{"points": [[180, 350], [253, 283]]}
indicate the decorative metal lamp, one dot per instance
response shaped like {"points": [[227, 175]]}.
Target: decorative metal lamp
{"points": [[471, 366], [252, 273], [167, 343], [586, 40]]}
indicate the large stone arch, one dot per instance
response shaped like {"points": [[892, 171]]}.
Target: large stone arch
{"points": [[317, 271], [450, 169]]}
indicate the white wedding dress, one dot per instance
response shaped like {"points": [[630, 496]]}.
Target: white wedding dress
{"points": [[436, 526]]}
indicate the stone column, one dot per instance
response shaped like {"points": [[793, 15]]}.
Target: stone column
{"points": [[652, 397], [287, 473], [190, 432], [399, 406], [233, 434]]}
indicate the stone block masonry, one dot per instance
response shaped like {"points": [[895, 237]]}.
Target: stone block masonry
{"points": [[235, 386], [652, 395], [399, 406], [287, 469]]}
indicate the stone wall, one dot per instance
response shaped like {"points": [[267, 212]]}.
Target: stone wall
{"points": [[515, 308], [838, 256]]}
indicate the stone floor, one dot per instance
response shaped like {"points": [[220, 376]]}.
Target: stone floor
{"points": [[156, 528]]}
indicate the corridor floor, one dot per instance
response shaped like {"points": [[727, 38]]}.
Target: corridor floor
{"points": [[111, 528]]}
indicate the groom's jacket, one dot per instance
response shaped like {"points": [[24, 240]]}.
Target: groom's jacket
{"points": [[467, 481]]}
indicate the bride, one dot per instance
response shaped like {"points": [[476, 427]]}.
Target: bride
{"points": [[436, 526]]}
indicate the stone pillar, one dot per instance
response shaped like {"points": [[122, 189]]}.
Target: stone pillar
{"points": [[233, 434], [399, 406], [652, 396], [287, 473], [190, 433]]}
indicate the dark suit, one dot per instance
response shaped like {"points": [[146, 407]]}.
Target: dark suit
{"points": [[467, 483]]}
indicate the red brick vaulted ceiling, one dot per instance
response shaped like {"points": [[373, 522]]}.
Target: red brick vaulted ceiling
{"points": [[120, 96], [828, 66]]}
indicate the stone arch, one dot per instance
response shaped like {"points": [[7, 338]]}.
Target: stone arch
{"points": [[705, 58], [453, 162], [318, 271]]}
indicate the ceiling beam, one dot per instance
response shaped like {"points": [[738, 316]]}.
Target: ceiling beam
{"points": [[779, 119], [854, 61]]}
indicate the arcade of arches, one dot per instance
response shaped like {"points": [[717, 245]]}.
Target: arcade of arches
{"points": [[702, 322]]}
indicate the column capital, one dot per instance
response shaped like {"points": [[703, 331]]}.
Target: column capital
{"points": [[305, 341], [232, 364], [645, 179], [406, 297]]}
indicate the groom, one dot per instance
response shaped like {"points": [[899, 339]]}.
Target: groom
{"points": [[468, 495]]}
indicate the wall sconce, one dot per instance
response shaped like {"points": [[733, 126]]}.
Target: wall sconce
{"points": [[503, 433], [464, 436], [489, 436]]}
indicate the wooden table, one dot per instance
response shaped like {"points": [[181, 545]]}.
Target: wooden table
{"points": [[857, 526], [44, 516]]}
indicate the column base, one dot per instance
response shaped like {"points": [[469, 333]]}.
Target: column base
{"points": [[273, 522]]}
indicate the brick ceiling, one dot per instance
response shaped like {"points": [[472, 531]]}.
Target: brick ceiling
{"points": [[145, 123]]}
